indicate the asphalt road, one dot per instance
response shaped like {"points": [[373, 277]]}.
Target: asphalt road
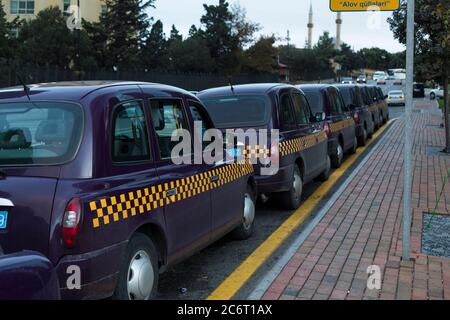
{"points": [[198, 276]]}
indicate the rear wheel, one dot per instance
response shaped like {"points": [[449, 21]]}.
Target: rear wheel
{"points": [[291, 199], [432, 96], [338, 157], [138, 277], [245, 230], [355, 146], [362, 140]]}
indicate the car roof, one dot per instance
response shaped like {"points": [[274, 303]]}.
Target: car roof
{"points": [[315, 87], [72, 90], [257, 88]]}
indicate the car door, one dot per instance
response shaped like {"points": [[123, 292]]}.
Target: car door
{"points": [[341, 122], [226, 193], [183, 185], [315, 154]]}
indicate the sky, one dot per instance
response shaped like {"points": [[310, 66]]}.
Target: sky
{"points": [[359, 29]]}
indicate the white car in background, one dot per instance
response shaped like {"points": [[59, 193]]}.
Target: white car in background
{"points": [[437, 93], [347, 80], [396, 98], [380, 75]]}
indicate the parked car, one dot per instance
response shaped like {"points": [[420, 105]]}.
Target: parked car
{"points": [[27, 276], [369, 98], [396, 98], [383, 106], [419, 90], [380, 75], [437, 93], [361, 79], [340, 127], [88, 170], [398, 82], [302, 150], [347, 80], [354, 102]]}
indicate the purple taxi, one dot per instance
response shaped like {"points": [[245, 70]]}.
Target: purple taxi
{"points": [[87, 179]]}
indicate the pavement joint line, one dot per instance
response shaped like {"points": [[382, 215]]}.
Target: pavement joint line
{"points": [[239, 277]]}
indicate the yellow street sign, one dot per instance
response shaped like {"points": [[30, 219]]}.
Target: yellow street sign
{"points": [[364, 5]]}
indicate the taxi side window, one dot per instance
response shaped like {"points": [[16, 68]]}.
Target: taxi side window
{"points": [[167, 116], [198, 115], [301, 109], [335, 103], [287, 117], [130, 135]]}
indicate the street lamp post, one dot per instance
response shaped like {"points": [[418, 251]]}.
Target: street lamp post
{"points": [[407, 188]]}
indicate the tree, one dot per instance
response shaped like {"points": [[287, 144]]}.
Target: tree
{"points": [[154, 52], [8, 42], [261, 57], [432, 46], [348, 59], [325, 46], [242, 29], [125, 25]]}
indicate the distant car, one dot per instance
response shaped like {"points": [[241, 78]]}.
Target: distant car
{"points": [[339, 125], [27, 276], [390, 78], [361, 79], [88, 179], [381, 81], [437, 93], [347, 80], [380, 75], [396, 98], [302, 152], [398, 82], [419, 90]]}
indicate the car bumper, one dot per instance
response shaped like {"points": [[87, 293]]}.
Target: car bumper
{"points": [[396, 102], [279, 182], [98, 273]]}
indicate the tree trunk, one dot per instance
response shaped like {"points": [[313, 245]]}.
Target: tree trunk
{"points": [[446, 113]]}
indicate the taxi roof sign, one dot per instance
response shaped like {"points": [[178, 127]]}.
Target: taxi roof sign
{"points": [[364, 5]]}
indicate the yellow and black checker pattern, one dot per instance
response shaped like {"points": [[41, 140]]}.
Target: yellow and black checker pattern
{"points": [[145, 200], [338, 126], [299, 144], [256, 152]]}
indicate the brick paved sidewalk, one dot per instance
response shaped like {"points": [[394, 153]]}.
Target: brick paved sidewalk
{"points": [[364, 227]]}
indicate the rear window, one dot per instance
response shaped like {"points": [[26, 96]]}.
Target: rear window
{"points": [[40, 133], [315, 101], [347, 96], [239, 111]]}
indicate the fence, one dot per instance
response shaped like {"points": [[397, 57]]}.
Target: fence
{"points": [[192, 82]]}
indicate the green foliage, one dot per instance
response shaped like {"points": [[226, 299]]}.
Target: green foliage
{"points": [[261, 57]]}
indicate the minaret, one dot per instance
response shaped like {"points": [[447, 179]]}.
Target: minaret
{"points": [[337, 45], [310, 26]]}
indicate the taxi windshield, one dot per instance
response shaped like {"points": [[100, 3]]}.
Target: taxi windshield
{"points": [[39, 133], [239, 111]]}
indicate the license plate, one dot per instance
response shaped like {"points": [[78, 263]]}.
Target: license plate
{"points": [[3, 220]]}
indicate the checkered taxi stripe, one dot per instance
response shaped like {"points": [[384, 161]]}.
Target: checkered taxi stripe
{"points": [[256, 152], [338, 126], [142, 201], [295, 145]]}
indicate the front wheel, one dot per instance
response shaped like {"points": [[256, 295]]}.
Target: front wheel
{"points": [[355, 146], [291, 199], [432, 96], [338, 158], [138, 277], [362, 140], [326, 174], [245, 230]]}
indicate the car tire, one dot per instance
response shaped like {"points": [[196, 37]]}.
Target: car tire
{"points": [[362, 140], [291, 199], [324, 176], [138, 276], [338, 158], [355, 146], [432, 96], [245, 230]]}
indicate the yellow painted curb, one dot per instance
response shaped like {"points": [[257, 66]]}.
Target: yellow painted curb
{"points": [[234, 282]]}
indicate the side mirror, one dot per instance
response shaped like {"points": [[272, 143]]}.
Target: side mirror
{"points": [[320, 116]]}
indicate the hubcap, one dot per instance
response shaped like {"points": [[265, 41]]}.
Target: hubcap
{"points": [[249, 211], [297, 185], [140, 277]]}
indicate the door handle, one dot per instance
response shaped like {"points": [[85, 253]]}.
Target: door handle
{"points": [[214, 178], [171, 192]]}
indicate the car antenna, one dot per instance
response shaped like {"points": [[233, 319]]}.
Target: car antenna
{"points": [[231, 84], [26, 89]]}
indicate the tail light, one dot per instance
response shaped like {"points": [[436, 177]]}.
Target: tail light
{"points": [[356, 117], [327, 129], [71, 223]]}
